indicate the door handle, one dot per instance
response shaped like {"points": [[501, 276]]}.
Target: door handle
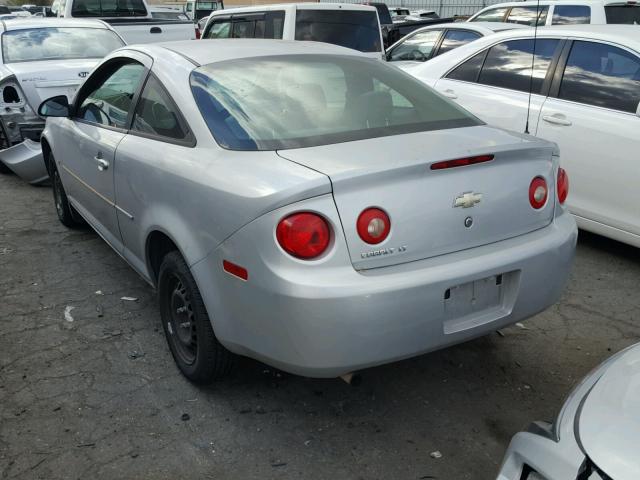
{"points": [[449, 93], [102, 163], [155, 30], [556, 119]]}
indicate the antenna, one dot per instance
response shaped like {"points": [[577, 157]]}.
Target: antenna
{"points": [[533, 60]]}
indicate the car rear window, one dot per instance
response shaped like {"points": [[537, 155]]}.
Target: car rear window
{"points": [[37, 44], [108, 8], [623, 14], [280, 102], [348, 28]]}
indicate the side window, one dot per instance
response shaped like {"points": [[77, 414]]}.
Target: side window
{"points": [[157, 115], [456, 38], [110, 103], [416, 47], [602, 75], [219, 29], [571, 14], [469, 70], [243, 28], [274, 24], [528, 15], [508, 64], [493, 15]]}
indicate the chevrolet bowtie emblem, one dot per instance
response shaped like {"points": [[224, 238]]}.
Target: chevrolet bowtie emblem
{"points": [[467, 200]]}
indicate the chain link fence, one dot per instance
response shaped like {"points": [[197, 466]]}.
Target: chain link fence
{"points": [[444, 8]]}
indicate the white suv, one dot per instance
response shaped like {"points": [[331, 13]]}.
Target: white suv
{"points": [[561, 12]]}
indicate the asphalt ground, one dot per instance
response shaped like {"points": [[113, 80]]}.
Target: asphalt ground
{"points": [[94, 393]]}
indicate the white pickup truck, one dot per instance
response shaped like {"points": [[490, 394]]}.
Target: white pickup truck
{"points": [[132, 19]]}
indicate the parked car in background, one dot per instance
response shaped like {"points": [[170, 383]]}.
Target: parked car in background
{"points": [[392, 31], [347, 25], [132, 19], [42, 58], [196, 10], [429, 42], [255, 191], [422, 14], [595, 435], [4, 10], [398, 13], [562, 12], [167, 13], [200, 24], [585, 97]]}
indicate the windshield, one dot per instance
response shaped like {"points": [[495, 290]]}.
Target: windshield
{"points": [[36, 44], [109, 8], [348, 28], [280, 102], [623, 14]]}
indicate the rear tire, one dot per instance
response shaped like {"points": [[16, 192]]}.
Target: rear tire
{"points": [[66, 213], [196, 350]]}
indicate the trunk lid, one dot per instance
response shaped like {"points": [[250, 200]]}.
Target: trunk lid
{"points": [[393, 173], [45, 79]]}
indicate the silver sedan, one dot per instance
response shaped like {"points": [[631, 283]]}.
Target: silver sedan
{"points": [[298, 203]]}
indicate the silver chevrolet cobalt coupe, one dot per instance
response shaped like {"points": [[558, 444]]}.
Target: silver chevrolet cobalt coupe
{"points": [[306, 206]]}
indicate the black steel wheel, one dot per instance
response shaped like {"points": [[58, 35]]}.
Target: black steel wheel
{"points": [[196, 350]]}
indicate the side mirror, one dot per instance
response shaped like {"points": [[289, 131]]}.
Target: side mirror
{"points": [[54, 107]]}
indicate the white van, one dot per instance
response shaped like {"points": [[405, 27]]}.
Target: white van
{"points": [[347, 25]]}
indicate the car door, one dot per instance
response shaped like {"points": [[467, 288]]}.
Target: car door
{"points": [[494, 84], [100, 118], [158, 131], [592, 113]]}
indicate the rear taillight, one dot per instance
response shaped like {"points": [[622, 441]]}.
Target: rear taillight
{"points": [[461, 162], [538, 193], [304, 235], [563, 185], [373, 225], [197, 33]]}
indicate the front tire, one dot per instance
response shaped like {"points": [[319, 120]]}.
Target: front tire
{"points": [[65, 211], [196, 350]]}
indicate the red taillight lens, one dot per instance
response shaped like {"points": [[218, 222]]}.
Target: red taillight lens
{"points": [[373, 225], [538, 192], [563, 185], [461, 162], [303, 235], [197, 33]]}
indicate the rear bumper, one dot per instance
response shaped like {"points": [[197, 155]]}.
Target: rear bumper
{"points": [[329, 319], [25, 160]]}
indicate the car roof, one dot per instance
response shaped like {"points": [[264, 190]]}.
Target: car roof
{"points": [[30, 23], [297, 6], [530, 3], [627, 35], [481, 27], [203, 52]]}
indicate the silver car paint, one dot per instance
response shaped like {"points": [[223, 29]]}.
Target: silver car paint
{"points": [[321, 317], [601, 415]]}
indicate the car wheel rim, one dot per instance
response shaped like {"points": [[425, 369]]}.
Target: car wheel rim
{"points": [[181, 323], [57, 194]]}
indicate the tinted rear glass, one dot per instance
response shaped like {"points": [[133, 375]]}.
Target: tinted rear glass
{"points": [[348, 28], [37, 44], [623, 14], [280, 102], [108, 8], [571, 14]]}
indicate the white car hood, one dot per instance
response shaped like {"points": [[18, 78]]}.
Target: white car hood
{"points": [[46, 79], [609, 421]]}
